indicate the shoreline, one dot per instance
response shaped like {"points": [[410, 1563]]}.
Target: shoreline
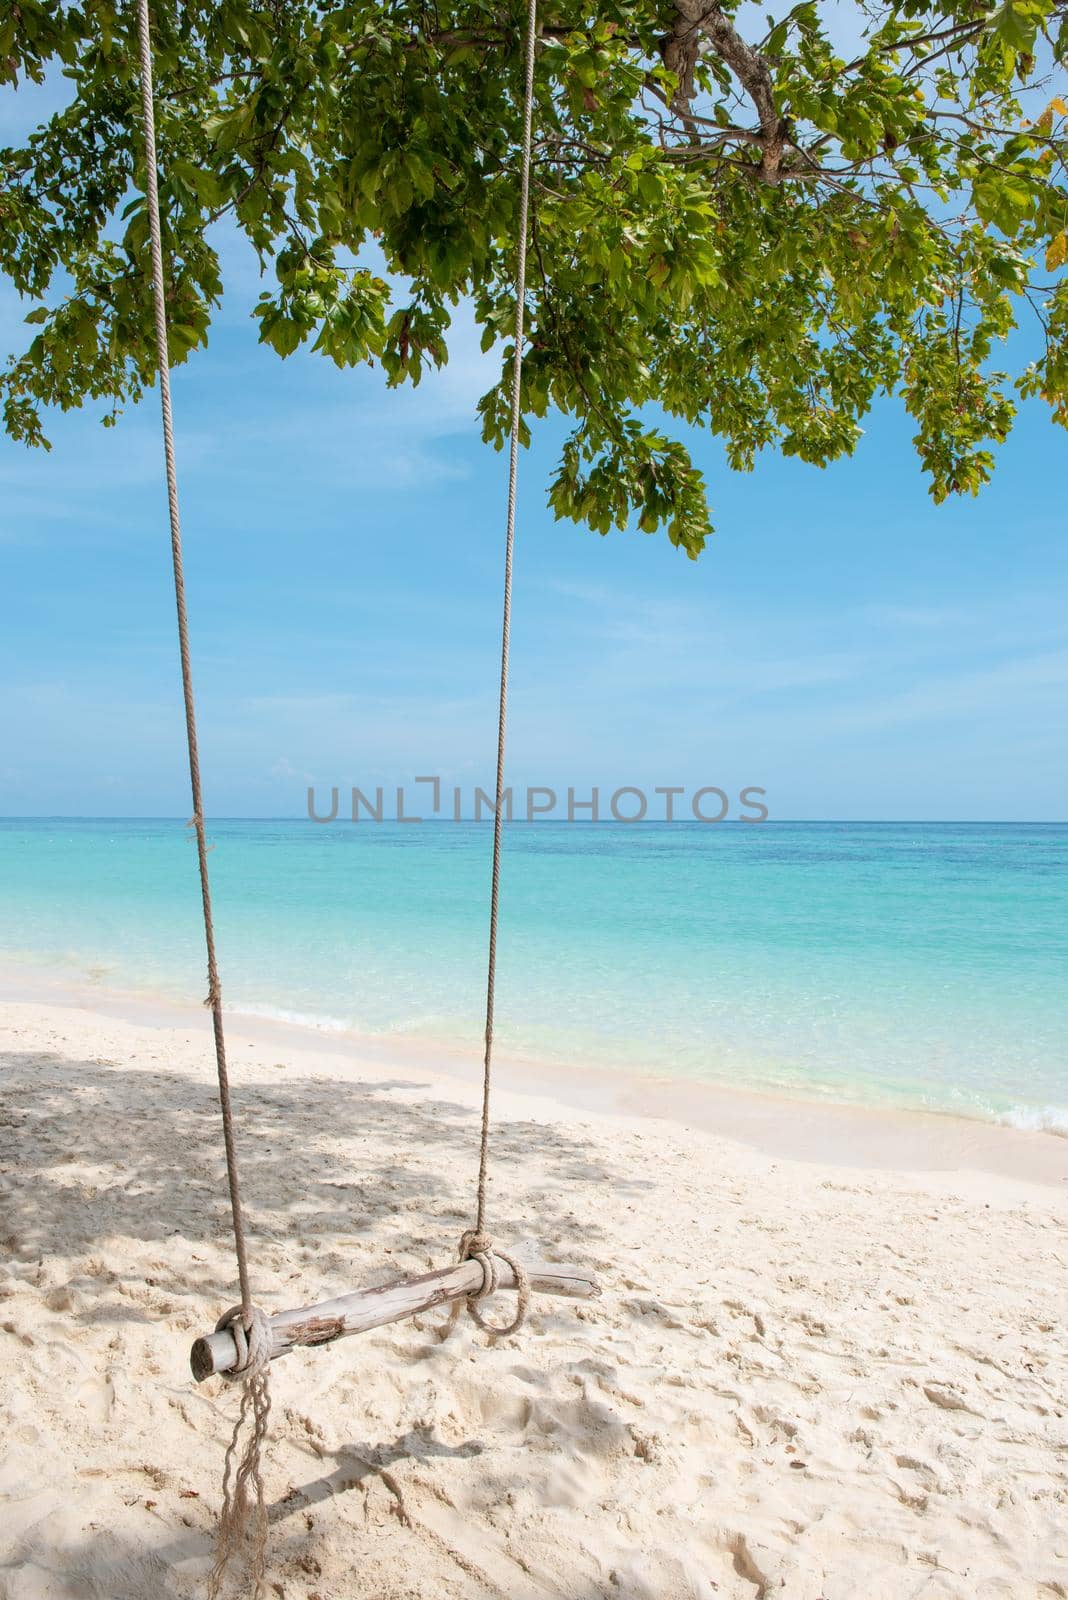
{"points": [[780, 1127]]}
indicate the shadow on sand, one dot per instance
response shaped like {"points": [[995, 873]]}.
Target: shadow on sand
{"points": [[89, 1151]]}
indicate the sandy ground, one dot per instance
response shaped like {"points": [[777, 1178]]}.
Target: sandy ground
{"points": [[804, 1377]]}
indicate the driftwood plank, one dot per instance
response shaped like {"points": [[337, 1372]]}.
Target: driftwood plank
{"points": [[391, 1302]]}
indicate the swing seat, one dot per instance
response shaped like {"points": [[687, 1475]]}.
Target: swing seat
{"points": [[391, 1302]]}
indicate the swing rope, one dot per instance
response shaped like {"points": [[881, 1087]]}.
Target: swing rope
{"points": [[243, 1521], [477, 1243]]}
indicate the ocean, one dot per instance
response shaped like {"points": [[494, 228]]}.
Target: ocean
{"points": [[896, 964]]}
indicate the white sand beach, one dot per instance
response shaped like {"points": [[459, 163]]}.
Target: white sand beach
{"points": [[828, 1361]]}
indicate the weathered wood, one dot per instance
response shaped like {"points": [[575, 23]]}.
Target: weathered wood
{"points": [[391, 1302]]}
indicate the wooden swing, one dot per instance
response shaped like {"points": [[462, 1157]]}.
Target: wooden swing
{"points": [[245, 1339], [392, 1302]]}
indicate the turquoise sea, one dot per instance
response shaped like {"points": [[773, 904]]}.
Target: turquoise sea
{"points": [[904, 964]]}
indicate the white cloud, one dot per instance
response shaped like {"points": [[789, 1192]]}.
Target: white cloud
{"points": [[983, 693]]}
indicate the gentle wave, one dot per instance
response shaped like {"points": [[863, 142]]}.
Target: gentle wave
{"points": [[1037, 1119], [297, 1019]]}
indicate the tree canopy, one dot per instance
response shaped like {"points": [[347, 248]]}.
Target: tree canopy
{"points": [[738, 220]]}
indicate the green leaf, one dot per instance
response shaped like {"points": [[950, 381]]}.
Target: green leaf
{"points": [[1016, 22]]}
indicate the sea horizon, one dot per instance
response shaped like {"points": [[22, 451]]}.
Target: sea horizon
{"points": [[525, 822]]}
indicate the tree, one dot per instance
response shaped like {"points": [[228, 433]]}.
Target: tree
{"points": [[758, 234]]}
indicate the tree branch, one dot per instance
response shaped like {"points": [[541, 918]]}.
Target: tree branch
{"points": [[699, 20]]}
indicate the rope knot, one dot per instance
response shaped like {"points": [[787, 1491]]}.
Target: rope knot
{"points": [[252, 1335], [477, 1245]]}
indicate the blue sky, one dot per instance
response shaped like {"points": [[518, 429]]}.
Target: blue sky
{"points": [[843, 643]]}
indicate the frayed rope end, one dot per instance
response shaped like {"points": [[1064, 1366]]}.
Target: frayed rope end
{"points": [[242, 1532]]}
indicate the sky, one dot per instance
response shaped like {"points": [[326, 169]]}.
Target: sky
{"points": [[843, 643]]}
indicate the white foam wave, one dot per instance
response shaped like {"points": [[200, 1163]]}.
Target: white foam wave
{"points": [[1038, 1119], [298, 1019]]}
